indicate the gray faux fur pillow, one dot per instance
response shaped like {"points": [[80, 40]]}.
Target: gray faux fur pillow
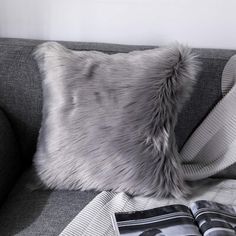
{"points": [[108, 120]]}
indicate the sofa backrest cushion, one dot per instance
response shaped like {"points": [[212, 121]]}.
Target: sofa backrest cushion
{"points": [[21, 93]]}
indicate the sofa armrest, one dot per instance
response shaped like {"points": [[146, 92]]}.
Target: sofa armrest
{"points": [[10, 164]]}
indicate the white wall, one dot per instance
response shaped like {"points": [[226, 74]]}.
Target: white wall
{"points": [[199, 23]]}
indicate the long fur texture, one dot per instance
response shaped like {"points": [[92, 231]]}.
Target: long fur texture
{"points": [[108, 120]]}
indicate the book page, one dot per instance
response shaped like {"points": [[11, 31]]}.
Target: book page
{"points": [[214, 219], [163, 221]]}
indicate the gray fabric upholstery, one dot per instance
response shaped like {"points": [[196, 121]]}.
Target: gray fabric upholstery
{"points": [[39, 212], [9, 157], [21, 94]]}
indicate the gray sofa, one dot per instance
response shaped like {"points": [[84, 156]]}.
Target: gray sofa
{"points": [[46, 212]]}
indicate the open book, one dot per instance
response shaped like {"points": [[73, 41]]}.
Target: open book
{"points": [[200, 218]]}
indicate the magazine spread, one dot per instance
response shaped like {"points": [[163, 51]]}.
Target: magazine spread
{"points": [[214, 219], [201, 218]]}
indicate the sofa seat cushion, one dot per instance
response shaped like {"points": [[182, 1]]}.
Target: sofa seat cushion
{"points": [[39, 212]]}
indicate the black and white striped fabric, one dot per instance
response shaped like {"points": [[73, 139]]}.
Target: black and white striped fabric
{"points": [[210, 149]]}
